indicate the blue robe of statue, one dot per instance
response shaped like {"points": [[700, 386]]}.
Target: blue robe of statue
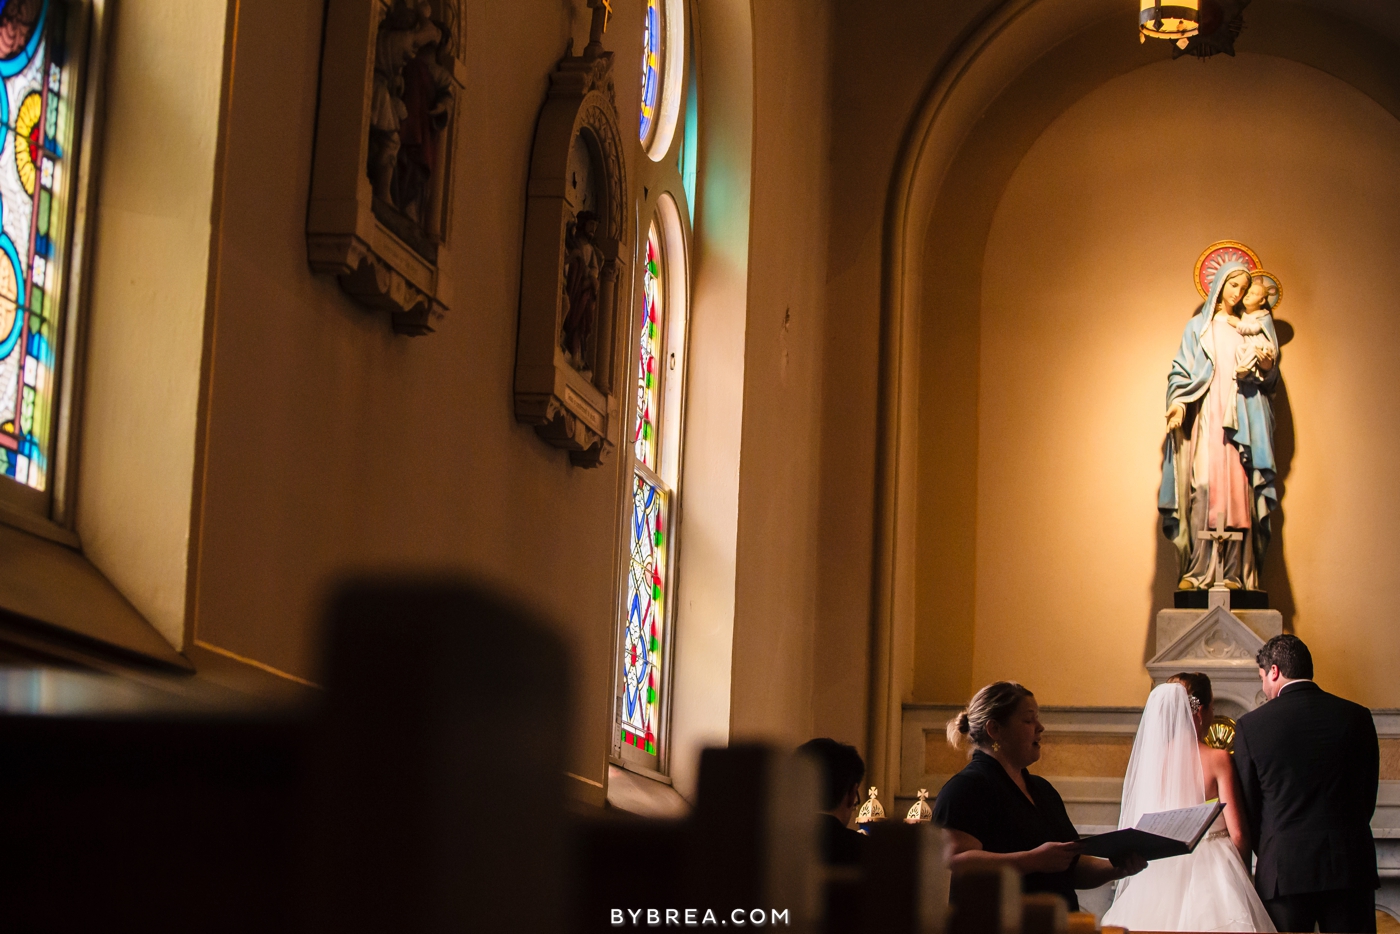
{"points": [[1253, 431]]}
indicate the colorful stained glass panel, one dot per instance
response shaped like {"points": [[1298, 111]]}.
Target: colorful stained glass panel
{"points": [[651, 68], [35, 139], [648, 353], [645, 620]]}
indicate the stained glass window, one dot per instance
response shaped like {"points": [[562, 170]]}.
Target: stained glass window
{"points": [[36, 117], [648, 351], [651, 68], [642, 645]]}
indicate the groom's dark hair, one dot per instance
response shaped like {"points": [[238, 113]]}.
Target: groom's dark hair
{"points": [[841, 766], [1289, 653]]}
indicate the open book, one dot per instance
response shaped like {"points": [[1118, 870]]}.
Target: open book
{"points": [[1157, 835]]}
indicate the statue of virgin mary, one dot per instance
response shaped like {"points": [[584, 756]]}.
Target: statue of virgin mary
{"points": [[1218, 458]]}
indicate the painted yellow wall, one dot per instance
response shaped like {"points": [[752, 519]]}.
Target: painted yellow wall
{"points": [[334, 446], [146, 314], [1086, 287], [884, 54], [787, 310], [701, 683]]}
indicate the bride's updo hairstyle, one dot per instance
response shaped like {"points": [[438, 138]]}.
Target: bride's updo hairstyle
{"points": [[1197, 685], [997, 701]]}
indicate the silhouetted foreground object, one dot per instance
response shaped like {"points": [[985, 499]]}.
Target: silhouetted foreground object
{"points": [[750, 850], [439, 766], [749, 846], [985, 901], [1044, 913], [906, 886], [122, 823], [426, 793]]}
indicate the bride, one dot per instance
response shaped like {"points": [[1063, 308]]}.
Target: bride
{"points": [[1171, 767]]}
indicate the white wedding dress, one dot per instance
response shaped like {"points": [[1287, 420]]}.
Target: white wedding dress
{"points": [[1206, 890]]}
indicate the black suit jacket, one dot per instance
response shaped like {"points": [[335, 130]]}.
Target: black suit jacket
{"points": [[1309, 765]]}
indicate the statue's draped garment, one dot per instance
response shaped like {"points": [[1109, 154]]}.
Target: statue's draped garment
{"points": [[1218, 468]]}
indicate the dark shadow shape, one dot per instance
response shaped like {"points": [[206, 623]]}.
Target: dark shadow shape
{"points": [[1164, 583], [1273, 571], [1284, 330]]}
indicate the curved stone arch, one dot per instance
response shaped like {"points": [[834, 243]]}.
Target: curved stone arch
{"points": [[988, 102]]}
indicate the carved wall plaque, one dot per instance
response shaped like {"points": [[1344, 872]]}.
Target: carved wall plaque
{"points": [[381, 183], [576, 234]]}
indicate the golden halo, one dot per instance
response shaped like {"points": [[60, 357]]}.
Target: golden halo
{"points": [[1278, 286], [1219, 253]]}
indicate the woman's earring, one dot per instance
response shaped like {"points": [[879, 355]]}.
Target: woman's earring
{"points": [[996, 747]]}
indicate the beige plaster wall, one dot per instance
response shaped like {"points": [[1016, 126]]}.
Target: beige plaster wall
{"points": [[705, 572], [147, 307], [1011, 118], [884, 52], [1086, 287], [334, 445], [774, 635]]}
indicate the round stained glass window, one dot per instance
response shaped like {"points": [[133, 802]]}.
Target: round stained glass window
{"points": [[653, 50], [663, 48]]}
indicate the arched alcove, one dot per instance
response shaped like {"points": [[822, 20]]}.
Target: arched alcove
{"points": [[1028, 65]]}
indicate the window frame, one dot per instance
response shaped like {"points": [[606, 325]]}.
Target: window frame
{"points": [[49, 513], [663, 200], [674, 238], [77, 616]]}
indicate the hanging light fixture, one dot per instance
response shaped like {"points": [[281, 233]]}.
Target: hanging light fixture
{"points": [[1177, 21]]}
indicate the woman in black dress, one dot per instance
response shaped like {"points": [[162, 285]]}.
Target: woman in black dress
{"points": [[996, 812]]}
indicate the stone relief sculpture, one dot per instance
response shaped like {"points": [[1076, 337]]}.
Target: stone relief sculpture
{"points": [[572, 315], [413, 97], [1218, 468], [583, 267], [390, 78]]}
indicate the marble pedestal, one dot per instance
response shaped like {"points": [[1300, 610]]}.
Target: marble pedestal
{"points": [[1220, 642]]}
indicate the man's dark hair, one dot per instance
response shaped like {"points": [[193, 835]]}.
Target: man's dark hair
{"points": [[841, 766], [1290, 655]]}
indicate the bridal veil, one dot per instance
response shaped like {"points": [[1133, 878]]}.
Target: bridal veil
{"points": [[1165, 770], [1207, 890]]}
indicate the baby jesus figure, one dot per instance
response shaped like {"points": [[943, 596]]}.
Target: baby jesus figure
{"points": [[1258, 353]]}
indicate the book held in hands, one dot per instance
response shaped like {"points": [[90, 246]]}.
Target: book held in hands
{"points": [[1157, 835]]}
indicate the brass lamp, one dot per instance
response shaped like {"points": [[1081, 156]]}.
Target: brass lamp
{"points": [[1177, 21]]}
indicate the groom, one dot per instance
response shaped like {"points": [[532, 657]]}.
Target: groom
{"points": [[1309, 764]]}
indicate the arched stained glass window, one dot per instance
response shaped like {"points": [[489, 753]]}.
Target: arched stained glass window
{"points": [[659, 355], [641, 663], [36, 117], [652, 53], [651, 514], [648, 373], [646, 580]]}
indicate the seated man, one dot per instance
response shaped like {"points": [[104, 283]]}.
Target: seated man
{"points": [[842, 768]]}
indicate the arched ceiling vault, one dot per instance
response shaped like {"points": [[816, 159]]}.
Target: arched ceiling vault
{"points": [[986, 105]]}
